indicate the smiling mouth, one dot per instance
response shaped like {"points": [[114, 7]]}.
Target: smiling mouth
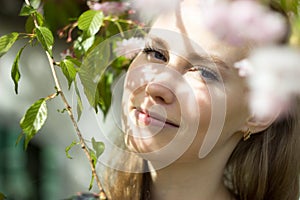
{"points": [[154, 119]]}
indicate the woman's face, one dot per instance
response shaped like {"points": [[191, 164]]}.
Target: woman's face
{"points": [[182, 95]]}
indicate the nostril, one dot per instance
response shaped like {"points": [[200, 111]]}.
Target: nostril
{"points": [[159, 92]]}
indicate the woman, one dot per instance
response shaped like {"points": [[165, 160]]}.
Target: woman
{"points": [[186, 116]]}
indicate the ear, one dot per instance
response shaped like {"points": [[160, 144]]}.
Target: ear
{"points": [[255, 124]]}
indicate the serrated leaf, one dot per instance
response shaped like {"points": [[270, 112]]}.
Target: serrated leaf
{"points": [[88, 43], [69, 70], [79, 102], [34, 119], [82, 45], [93, 66], [98, 147], [74, 60], [90, 21], [45, 37], [15, 73], [104, 91], [27, 10], [68, 148], [29, 24], [6, 42]]}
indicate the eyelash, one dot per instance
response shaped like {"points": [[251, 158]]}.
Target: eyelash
{"points": [[213, 76], [209, 73], [158, 53]]}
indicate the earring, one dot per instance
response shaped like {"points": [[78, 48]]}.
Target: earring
{"points": [[247, 134]]}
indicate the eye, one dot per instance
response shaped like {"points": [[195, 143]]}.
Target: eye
{"points": [[156, 54], [206, 73]]}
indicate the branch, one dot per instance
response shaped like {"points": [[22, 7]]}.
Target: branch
{"points": [[102, 194]]}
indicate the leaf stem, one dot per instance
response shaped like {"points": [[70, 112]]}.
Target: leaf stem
{"points": [[52, 96], [115, 21], [71, 115]]}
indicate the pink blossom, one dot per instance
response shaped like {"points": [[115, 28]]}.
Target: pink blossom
{"points": [[274, 81], [129, 47], [243, 21], [66, 53], [109, 8], [151, 8], [245, 68]]}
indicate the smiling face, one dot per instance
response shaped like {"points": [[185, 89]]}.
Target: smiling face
{"points": [[182, 95]]}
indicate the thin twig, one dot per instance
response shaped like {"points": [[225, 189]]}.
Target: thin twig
{"points": [[59, 91], [52, 96], [71, 115]]}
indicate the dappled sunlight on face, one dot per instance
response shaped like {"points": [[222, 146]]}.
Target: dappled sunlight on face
{"points": [[197, 72], [181, 98], [159, 107]]}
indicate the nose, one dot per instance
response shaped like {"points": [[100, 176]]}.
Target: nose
{"points": [[159, 93]]}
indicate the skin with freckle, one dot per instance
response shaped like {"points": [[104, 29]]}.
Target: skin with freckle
{"points": [[153, 74]]}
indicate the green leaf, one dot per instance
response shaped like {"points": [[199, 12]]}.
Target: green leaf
{"points": [[29, 24], [45, 37], [104, 92], [82, 45], [98, 147], [90, 21], [91, 70], [68, 148], [19, 138], [27, 10], [94, 161], [34, 119], [79, 102], [69, 70], [291, 5], [92, 182], [93, 157], [87, 43], [6, 42], [35, 3], [15, 73], [74, 60], [2, 196]]}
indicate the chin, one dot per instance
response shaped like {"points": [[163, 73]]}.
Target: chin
{"points": [[148, 141]]}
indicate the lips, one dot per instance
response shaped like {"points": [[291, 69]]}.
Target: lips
{"points": [[152, 118]]}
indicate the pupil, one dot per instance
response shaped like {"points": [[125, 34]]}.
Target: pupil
{"points": [[159, 56], [207, 74]]}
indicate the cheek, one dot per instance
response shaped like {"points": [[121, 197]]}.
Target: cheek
{"points": [[201, 107], [198, 116], [237, 110], [216, 106], [229, 119]]}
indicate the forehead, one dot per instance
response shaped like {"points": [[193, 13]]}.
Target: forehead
{"points": [[184, 32]]}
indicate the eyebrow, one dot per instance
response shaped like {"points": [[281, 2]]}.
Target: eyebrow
{"points": [[192, 57], [208, 59], [158, 41]]}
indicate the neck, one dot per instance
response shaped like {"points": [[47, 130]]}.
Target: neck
{"points": [[199, 179], [187, 181]]}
